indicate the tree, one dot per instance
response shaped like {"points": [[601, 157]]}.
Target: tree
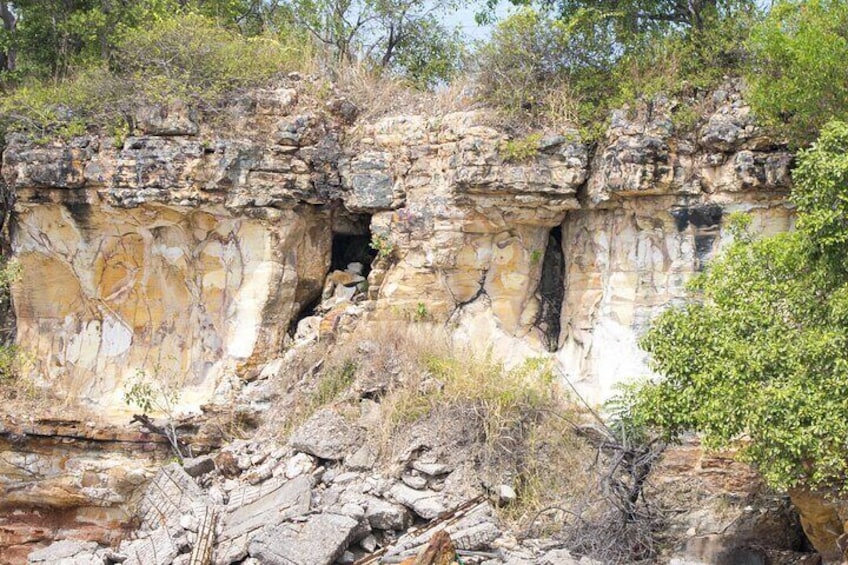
{"points": [[759, 360], [8, 53], [532, 55], [633, 17], [52, 38], [404, 35], [799, 80]]}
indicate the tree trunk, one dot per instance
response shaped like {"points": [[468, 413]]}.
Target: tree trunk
{"points": [[8, 57]]}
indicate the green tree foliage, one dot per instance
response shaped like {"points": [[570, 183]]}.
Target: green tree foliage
{"points": [[70, 60], [51, 38], [760, 360], [799, 79], [540, 64], [630, 18], [428, 55], [191, 57], [532, 55], [403, 36]]}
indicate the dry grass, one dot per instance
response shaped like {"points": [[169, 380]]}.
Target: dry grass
{"points": [[20, 393], [378, 95], [467, 407]]}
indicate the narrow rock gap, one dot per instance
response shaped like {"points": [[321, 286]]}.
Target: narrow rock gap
{"points": [[551, 289], [351, 245]]}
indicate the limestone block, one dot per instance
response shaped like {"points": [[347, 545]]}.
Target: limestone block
{"points": [[167, 119], [326, 435], [427, 504], [253, 508], [320, 540], [369, 180]]}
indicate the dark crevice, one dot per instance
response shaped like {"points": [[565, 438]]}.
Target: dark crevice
{"points": [[705, 220], [551, 290], [352, 248], [701, 217], [481, 291], [351, 244]]}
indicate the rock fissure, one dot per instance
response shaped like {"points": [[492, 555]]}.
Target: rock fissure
{"points": [[551, 289]]}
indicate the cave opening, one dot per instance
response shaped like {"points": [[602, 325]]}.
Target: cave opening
{"points": [[352, 248], [706, 224], [350, 251], [352, 242], [551, 290]]}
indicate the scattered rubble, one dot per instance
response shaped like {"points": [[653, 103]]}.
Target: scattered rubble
{"points": [[307, 512]]}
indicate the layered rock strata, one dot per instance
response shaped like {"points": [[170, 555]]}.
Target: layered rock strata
{"points": [[186, 254]]}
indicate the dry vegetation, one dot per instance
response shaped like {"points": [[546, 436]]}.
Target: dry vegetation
{"points": [[407, 386], [378, 96], [514, 424]]}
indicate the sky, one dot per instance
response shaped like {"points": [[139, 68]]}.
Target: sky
{"points": [[463, 19]]}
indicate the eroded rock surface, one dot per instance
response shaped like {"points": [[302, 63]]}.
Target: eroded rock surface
{"points": [[234, 230], [185, 255]]}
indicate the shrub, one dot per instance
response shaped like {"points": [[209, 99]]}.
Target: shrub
{"points": [[382, 244], [558, 72], [760, 359], [521, 149], [534, 63], [685, 62], [191, 58], [187, 57], [64, 109]]}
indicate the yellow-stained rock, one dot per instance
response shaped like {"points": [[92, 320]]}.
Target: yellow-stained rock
{"points": [[180, 296]]}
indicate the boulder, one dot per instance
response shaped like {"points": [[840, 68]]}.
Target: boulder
{"points": [[369, 181], [256, 507], [197, 466], [167, 119], [326, 435], [320, 540], [384, 515], [426, 503]]}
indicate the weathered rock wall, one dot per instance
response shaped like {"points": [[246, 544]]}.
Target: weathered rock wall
{"points": [[60, 479], [635, 222], [164, 255], [187, 251]]}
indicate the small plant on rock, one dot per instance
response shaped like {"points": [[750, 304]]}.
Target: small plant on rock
{"points": [[155, 394], [421, 313], [382, 245], [521, 149]]}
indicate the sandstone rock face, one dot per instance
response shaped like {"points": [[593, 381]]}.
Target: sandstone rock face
{"points": [[185, 253], [626, 264], [475, 232], [168, 258], [233, 230], [183, 295], [730, 518]]}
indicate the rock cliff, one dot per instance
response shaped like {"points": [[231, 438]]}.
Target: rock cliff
{"points": [[189, 252], [195, 250]]}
